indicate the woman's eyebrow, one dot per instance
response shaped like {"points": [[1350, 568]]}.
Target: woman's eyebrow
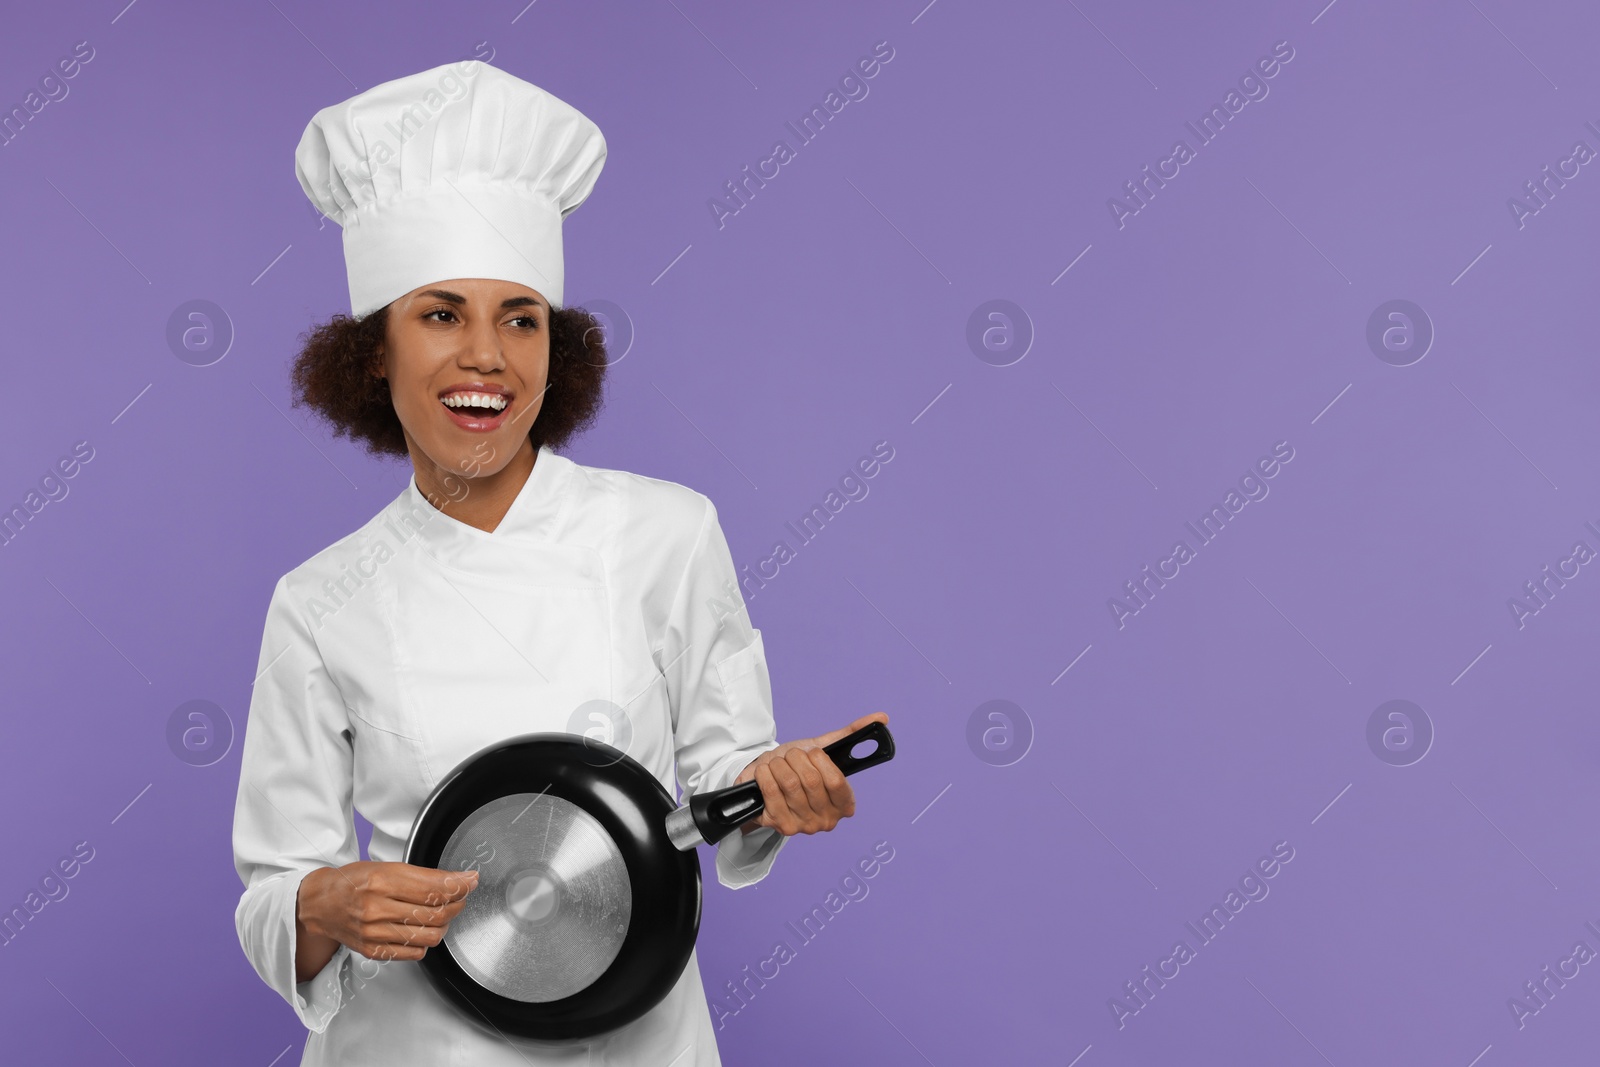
{"points": [[457, 298]]}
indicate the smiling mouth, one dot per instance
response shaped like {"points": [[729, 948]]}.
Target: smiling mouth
{"points": [[476, 405], [477, 411]]}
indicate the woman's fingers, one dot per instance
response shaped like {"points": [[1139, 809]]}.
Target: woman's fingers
{"points": [[777, 813], [407, 914], [820, 814], [795, 796], [424, 885], [409, 933], [839, 735], [375, 907], [401, 910], [808, 792], [841, 796], [401, 935], [385, 911]]}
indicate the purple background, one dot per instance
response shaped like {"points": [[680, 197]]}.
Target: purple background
{"points": [[832, 312]]}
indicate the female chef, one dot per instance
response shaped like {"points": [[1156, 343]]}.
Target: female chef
{"points": [[506, 590]]}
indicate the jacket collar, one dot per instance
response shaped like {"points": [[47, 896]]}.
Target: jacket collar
{"points": [[533, 514]]}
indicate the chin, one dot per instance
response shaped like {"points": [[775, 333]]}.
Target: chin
{"points": [[478, 456]]}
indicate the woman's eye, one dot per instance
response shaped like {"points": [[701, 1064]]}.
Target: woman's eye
{"points": [[527, 321]]}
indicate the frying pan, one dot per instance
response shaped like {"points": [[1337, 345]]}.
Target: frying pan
{"points": [[588, 898]]}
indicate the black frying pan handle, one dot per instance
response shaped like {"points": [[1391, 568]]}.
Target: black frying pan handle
{"points": [[722, 811]]}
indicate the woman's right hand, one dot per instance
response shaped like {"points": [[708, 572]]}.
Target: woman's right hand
{"points": [[384, 911]]}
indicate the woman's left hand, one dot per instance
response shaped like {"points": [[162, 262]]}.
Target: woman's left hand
{"points": [[804, 790]]}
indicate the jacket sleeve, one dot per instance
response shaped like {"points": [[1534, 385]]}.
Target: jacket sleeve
{"points": [[720, 693], [293, 810]]}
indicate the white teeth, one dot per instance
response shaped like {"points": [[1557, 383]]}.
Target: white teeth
{"points": [[489, 400]]}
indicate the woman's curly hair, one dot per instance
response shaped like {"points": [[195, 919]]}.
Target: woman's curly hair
{"points": [[333, 376]]}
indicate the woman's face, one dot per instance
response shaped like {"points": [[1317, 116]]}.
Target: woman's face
{"points": [[481, 344]]}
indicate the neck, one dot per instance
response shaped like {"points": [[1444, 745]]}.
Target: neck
{"points": [[482, 501]]}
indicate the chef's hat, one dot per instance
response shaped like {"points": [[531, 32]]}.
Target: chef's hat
{"points": [[461, 171]]}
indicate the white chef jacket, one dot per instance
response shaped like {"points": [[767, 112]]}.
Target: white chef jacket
{"points": [[407, 646]]}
